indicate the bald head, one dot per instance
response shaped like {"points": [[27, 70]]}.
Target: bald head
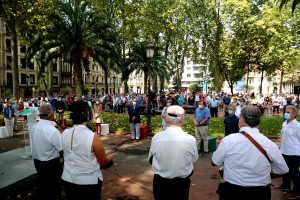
{"points": [[175, 116]]}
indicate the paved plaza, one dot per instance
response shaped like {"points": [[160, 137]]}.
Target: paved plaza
{"points": [[130, 177]]}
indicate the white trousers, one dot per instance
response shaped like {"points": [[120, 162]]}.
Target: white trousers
{"points": [[9, 123], [135, 130]]}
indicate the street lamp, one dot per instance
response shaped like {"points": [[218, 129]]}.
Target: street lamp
{"points": [[149, 54]]}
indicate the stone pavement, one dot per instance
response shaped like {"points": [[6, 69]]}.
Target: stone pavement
{"points": [[131, 175]]}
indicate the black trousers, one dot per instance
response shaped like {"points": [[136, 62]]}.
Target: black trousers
{"points": [[293, 162], [275, 108], [81, 192], [49, 179], [175, 189], [214, 112], [228, 191]]}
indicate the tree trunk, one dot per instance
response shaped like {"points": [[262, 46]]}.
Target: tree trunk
{"points": [[162, 83], [261, 81], [14, 55], [106, 81], [126, 88], [231, 87], [154, 84], [146, 75], [50, 82], [218, 75], [78, 72], [281, 79]]}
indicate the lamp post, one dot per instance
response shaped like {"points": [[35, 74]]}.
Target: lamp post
{"points": [[149, 54]]}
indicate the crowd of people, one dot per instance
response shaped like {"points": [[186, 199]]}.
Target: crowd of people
{"points": [[246, 156]]}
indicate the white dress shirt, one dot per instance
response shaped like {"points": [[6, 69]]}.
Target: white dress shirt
{"points": [[80, 163], [174, 153], [46, 141], [213, 102], [238, 110], [290, 138], [244, 164]]}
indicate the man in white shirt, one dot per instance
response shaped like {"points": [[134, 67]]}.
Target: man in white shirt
{"points": [[290, 149], [246, 169], [46, 151], [213, 104], [172, 154], [276, 103], [239, 107]]}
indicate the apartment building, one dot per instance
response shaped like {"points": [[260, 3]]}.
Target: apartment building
{"points": [[62, 77]]}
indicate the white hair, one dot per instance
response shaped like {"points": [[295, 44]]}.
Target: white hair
{"points": [[175, 114]]}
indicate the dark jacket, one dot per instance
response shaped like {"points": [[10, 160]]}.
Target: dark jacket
{"points": [[6, 112], [231, 124], [60, 105], [135, 112]]}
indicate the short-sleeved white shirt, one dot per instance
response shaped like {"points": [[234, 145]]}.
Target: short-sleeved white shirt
{"points": [[46, 141], [174, 153], [290, 138], [80, 163], [244, 164]]}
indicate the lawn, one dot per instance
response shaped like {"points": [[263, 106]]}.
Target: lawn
{"points": [[269, 126]]}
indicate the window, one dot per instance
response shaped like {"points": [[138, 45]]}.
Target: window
{"points": [[23, 49], [8, 62], [32, 78], [23, 63], [66, 67], [196, 69], [30, 65], [9, 79], [55, 80], [196, 75], [55, 67], [188, 69], [23, 79], [7, 30], [189, 75], [66, 81], [8, 45]]}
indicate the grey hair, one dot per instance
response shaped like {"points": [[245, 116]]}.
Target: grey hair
{"points": [[294, 109], [252, 115], [45, 111], [175, 110]]}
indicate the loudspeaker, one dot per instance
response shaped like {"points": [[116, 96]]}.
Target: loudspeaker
{"points": [[296, 89]]}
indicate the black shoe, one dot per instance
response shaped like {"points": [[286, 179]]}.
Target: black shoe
{"points": [[205, 153]]}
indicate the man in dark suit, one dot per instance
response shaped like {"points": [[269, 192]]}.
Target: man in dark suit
{"points": [[134, 113]]}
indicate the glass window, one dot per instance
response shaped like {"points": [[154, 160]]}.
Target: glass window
{"points": [[188, 68], [23, 78], [55, 80], [32, 78], [55, 67], [7, 30], [8, 45], [23, 63], [196, 69], [9, 79], [23, 49], [8, 62], [189, 75]]}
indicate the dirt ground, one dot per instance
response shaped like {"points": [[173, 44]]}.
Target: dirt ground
{"points": [[11, 143]]}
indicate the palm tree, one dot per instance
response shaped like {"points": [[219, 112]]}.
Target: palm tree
{"points": [[151, 67], [76, 28], [285, 2]]}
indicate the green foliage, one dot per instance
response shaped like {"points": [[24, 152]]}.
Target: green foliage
{"points": [[269, 126], [7, 92], [193, 87]]}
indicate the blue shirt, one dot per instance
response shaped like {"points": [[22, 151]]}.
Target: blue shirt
{"points": [[200, 114], [226, 100]]}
